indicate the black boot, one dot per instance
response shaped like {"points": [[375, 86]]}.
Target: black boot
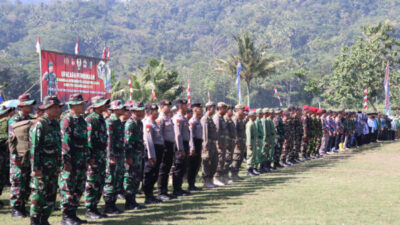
{"points": [[250, 173], [136, 205], [111, 208], [78, 219], [93, 214], [128, 202], [18, 212], [44, 220], [68, 219], [35, 221]]}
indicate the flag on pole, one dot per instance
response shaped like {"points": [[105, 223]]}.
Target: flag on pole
{"points": [[77, 47], [104, 52], [239, 68], [209, 96], [387, 93], [277, 96], [108, 54], [130, 89], [188, 94], [366, 98], [38, 45]]}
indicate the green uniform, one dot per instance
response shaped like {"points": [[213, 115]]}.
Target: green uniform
{"points": [[45, 153], [74, 151], [260, 137], [97, 142], [134, 149], [115, 149], [280, 137], [251, 143], [3, 152], [270, 135], [19, 176]]}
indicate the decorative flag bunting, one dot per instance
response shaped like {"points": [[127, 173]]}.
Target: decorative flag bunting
{"points": [[239, 68], [277, 95], [38, 45], [387, 93], [77, 47], [366, 98], [188, 94], [130, 89]]}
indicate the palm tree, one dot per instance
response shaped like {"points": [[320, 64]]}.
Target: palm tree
{"points": [[255, 63]]}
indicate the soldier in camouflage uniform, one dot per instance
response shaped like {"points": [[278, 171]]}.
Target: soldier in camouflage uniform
{"points": [[280, 137], [209, 153], [20, 169], [97, 142], [318, 132], [134, 149], [74, 157], [240, 141], [269, 138], [221, 142], [230, 142], [115, 157], [45, 152], [4, 117], [263, 155], [298, 129], [306, 125], [288, 138]]}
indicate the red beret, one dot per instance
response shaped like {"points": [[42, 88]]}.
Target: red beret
{"points": [[246, 108], [306, 107], [319, 111]]}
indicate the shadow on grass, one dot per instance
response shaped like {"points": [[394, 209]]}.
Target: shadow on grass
{"points": [[203, 204]]}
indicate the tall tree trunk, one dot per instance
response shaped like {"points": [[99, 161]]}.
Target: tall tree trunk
{"points": [[248, 94]]}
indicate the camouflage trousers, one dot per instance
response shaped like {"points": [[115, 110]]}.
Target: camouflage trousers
{"points": [[252, 157], [44, 192], [133, 175], [72, 186], [209, 156], [94, 183], [238, 155], [311, 147], [317, 141], [19, 179], [278, 151], [113, 184], [296, 147], [304, 145], [221, 160], [286, 149], [229, 156], [3, 166]]}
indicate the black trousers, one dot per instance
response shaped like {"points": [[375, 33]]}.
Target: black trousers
{"points": [[331, 143], [180, 164], [165, 167], [194, 162], [150, 172]]}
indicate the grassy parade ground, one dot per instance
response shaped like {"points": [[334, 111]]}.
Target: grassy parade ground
{"points": [[360, 186]]}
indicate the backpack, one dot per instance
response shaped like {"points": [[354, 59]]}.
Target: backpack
{"points": [[19, 143]]}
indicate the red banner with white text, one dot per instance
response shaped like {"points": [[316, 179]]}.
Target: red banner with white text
{"points": [[65, 74]]}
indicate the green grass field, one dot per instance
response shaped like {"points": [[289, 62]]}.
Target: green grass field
{"points": [[355, 187]]}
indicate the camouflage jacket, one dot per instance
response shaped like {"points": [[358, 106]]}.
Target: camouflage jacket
{"points": [[97, 136]]}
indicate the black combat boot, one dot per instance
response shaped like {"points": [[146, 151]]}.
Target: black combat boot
{"points": [[111, 208], [68, 219], [250, 173], [18, 212], [93, 214], [35, 221], [136, 205], [78, 219]]}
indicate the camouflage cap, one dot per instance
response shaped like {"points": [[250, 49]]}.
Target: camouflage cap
{"points": [[117, 104], [25, 99], [252, 113], [210, 104], [258, 111], [137, 106], [221, 105], [4, 110], [49, 101], [75, 99], [265, 110], [239, 107], [99, 101]]}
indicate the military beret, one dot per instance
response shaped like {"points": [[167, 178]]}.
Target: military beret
{"points": [[165, 102], [319, 111], [210, 104], [152, 107], [246, 108], [221, 104], [181, 102], [197, 105]]}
